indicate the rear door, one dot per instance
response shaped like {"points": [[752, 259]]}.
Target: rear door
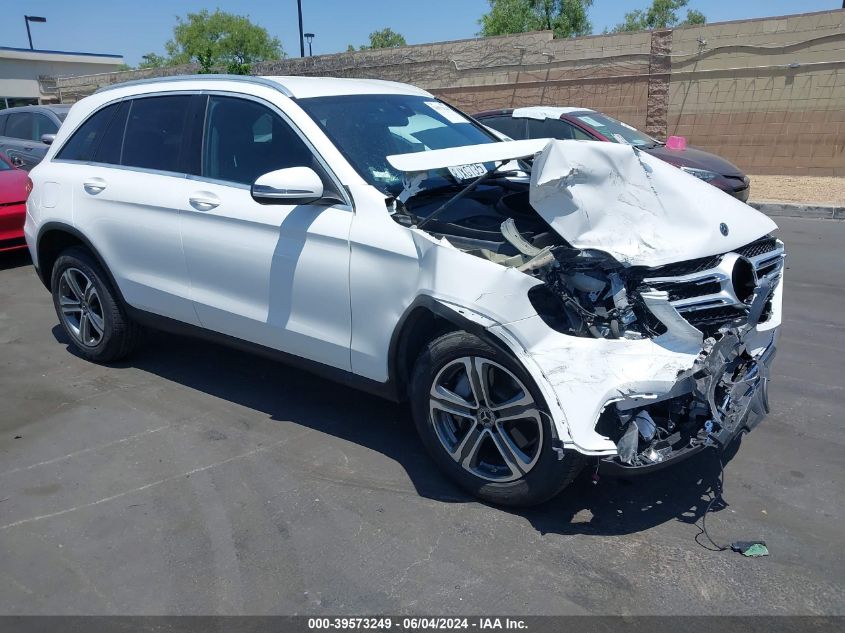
{"points": [[125, 167], [272, 274]]}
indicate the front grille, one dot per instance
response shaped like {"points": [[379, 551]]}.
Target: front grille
{"points": [[712, 292], [710, 318], [761, 246], [689, 267]]}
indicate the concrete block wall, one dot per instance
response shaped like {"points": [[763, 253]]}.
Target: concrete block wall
{"points": [[768, 94]]}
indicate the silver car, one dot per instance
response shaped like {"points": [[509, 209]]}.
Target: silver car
{"points": [[27, 132]]}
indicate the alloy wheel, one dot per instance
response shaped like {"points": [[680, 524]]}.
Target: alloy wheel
{"points": [[81, 309], [486, 419]]}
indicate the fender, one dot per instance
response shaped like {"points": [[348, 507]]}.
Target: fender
{"points": [[402, 351], [77, 234]]}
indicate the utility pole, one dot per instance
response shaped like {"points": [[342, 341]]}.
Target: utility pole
{"points": [[301, 36]]}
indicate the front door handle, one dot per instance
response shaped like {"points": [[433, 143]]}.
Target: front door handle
{"points": [[94, 185], [204, 201]]}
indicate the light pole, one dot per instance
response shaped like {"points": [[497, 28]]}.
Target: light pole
{"points": [[310, 38], [301, 38], [31, 18]]}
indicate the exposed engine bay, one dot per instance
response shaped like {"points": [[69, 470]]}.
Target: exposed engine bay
{"points": [[585, 292], [624, 289]]}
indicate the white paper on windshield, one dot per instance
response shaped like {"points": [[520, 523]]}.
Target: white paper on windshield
{"points": [[467, 172], [591, 121], [446, 112], [621, 139]]}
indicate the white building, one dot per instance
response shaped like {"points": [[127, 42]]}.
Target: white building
{"points": [[26, 75]]}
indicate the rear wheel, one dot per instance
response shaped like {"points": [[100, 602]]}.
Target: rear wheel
{"points": [[485, 424], [89, 309]]}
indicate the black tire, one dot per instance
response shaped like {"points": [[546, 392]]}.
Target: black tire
{"points": [[548, 475], [119, 334]]}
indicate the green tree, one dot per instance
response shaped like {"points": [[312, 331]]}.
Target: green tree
{"points": [[221, 40], [152, 60], [662, 14], [567, 18], [385, 38]]}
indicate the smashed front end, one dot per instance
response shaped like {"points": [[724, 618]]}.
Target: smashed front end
{"points": [[655, 299]]}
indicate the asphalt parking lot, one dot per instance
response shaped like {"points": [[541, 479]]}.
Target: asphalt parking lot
{"points": [[194, 479]]}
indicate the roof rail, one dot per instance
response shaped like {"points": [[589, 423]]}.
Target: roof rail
{"points": [[173, 78]]}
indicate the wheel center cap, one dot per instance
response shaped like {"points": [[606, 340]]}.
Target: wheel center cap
{"points": [[486, 417]]}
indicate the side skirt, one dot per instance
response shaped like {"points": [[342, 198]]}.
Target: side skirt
{"points": [[385, 390]]}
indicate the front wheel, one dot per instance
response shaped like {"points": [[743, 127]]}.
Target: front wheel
{"points": [[484, 422]]}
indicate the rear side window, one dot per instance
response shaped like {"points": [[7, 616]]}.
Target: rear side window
{"points": [[19, 126], [155, 132], [244, 140], [3, 125], [84, 142]]}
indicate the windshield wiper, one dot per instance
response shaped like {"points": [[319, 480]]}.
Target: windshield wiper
{"points": [[465, 191]]}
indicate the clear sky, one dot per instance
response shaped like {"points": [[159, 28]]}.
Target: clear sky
{"points": [[132, 28]]}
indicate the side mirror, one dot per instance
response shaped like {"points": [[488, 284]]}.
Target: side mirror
{"points": [[294, 185], [48, 139]]}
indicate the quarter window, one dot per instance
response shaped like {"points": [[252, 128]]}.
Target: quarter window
{"points": [[84, 142], [244, 140], [155, 132]]}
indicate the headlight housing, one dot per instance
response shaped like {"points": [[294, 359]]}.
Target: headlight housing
{"points": [[704, 174]]}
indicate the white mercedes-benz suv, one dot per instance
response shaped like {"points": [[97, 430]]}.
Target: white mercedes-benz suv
{"points": [[539, 303]]}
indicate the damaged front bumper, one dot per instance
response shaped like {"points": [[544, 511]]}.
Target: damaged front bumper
{"points": [[640, 405], [728, 396]]}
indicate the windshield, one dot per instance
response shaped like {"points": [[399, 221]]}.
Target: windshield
{"points": [[615, 131], [368, 128]]}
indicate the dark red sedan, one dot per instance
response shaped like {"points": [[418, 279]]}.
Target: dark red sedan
{"points": [[12, 206], [581, 123]]}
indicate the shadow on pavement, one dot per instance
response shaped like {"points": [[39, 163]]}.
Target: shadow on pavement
{"points": [[15, 259], [612, 506]]}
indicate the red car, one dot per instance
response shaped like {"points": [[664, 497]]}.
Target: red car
{"points": [[12, 206], [585, 124]]}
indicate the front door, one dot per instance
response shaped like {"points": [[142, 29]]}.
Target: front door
{"points": [[272, 274]]}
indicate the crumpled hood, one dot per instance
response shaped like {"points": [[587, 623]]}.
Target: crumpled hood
{"points": [[638, 208]]}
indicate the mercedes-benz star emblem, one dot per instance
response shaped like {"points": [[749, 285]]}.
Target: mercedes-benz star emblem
{"points": [[723, 229]]}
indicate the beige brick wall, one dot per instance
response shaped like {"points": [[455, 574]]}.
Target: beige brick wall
{"points": [[768, 94]]}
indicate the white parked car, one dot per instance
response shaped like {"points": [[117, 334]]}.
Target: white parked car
{"points": [[539, 303]]}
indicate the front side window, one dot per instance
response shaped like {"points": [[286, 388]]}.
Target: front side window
{"points": [[368, 128], [155, 132], [19, 126], [43, 125], [244, 139]]}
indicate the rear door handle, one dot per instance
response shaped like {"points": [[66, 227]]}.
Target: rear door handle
{"points": [[204, 201], [94, 185]]}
